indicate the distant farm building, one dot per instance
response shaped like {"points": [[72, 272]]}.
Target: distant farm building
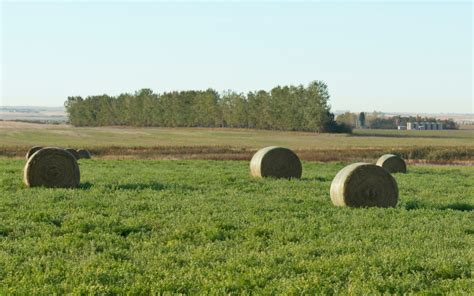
{"points": [[423, 126]]}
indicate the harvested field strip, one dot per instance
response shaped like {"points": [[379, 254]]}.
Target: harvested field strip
{"points": [[21, 134], [429, 154]]}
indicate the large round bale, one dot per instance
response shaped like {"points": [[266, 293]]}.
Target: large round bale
{"points": [[52, 167], [32, 150], [277, 162], [392, 163], [73, 152], [364, 185], [84, 154]]}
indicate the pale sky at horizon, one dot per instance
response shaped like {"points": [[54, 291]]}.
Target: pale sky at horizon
{"points": [[385, 56]]}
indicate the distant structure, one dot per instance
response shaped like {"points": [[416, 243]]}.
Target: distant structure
{"points": [[361, 120], [422, 126]]}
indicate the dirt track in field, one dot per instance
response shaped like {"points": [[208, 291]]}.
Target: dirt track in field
{"points": [[29, 125]]}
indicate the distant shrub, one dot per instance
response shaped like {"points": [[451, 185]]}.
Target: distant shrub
{"points": [[336, 127], [419, 153], [451, 154], [437, 153]]}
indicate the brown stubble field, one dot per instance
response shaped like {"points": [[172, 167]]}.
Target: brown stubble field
{"points": [[237, 144]]}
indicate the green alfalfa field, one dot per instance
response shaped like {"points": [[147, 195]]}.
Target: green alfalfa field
{"points": [[207, 227]]}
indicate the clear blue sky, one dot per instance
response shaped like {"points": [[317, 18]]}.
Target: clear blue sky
{"points": [[385, 56]]}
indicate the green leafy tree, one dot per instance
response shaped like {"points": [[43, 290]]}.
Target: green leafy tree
{"points": [[347, 118], [283, 108], [316, 107]]}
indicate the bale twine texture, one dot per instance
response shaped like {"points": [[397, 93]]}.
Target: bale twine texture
{"points": [[73, 152], [84, 154], [364, 185], [52, 167], [392, 163], [32, 151], [277, 162]]}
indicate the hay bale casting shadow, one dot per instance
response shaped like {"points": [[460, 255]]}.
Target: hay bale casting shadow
{"points": [[392, 163], [84, 154], [32, 151], [73, 152], [364, 185], [52, 167], [277, 162]]}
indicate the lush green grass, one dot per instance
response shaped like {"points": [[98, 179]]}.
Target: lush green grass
{"points": [[207, 226], [22, 134]]}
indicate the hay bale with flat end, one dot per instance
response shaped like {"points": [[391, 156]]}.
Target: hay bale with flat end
{"points": [[32, 150], [84, 154], [392, 163], [364, 185], [52, 167], [277, 162], [73, 152]]}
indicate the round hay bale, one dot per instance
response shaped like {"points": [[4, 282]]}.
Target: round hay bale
{"points": [[32, 150], [84, 154], [73, 152], [364, 185], [277, 162], [52, 167], [392, 163]]}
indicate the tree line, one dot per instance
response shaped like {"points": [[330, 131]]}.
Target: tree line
{"points": [[377, 120], [295, 108]]}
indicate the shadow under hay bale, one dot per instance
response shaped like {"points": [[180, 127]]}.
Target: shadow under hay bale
{"points": [[457, 206], [364, 185], [392, 163], [151, 186], [277, 162], [52, 168]]}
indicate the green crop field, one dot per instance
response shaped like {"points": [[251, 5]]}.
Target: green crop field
{"points": [[148, 226]]}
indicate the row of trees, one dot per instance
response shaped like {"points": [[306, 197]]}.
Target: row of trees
{"points": [[283, 108], [377, 120]]}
